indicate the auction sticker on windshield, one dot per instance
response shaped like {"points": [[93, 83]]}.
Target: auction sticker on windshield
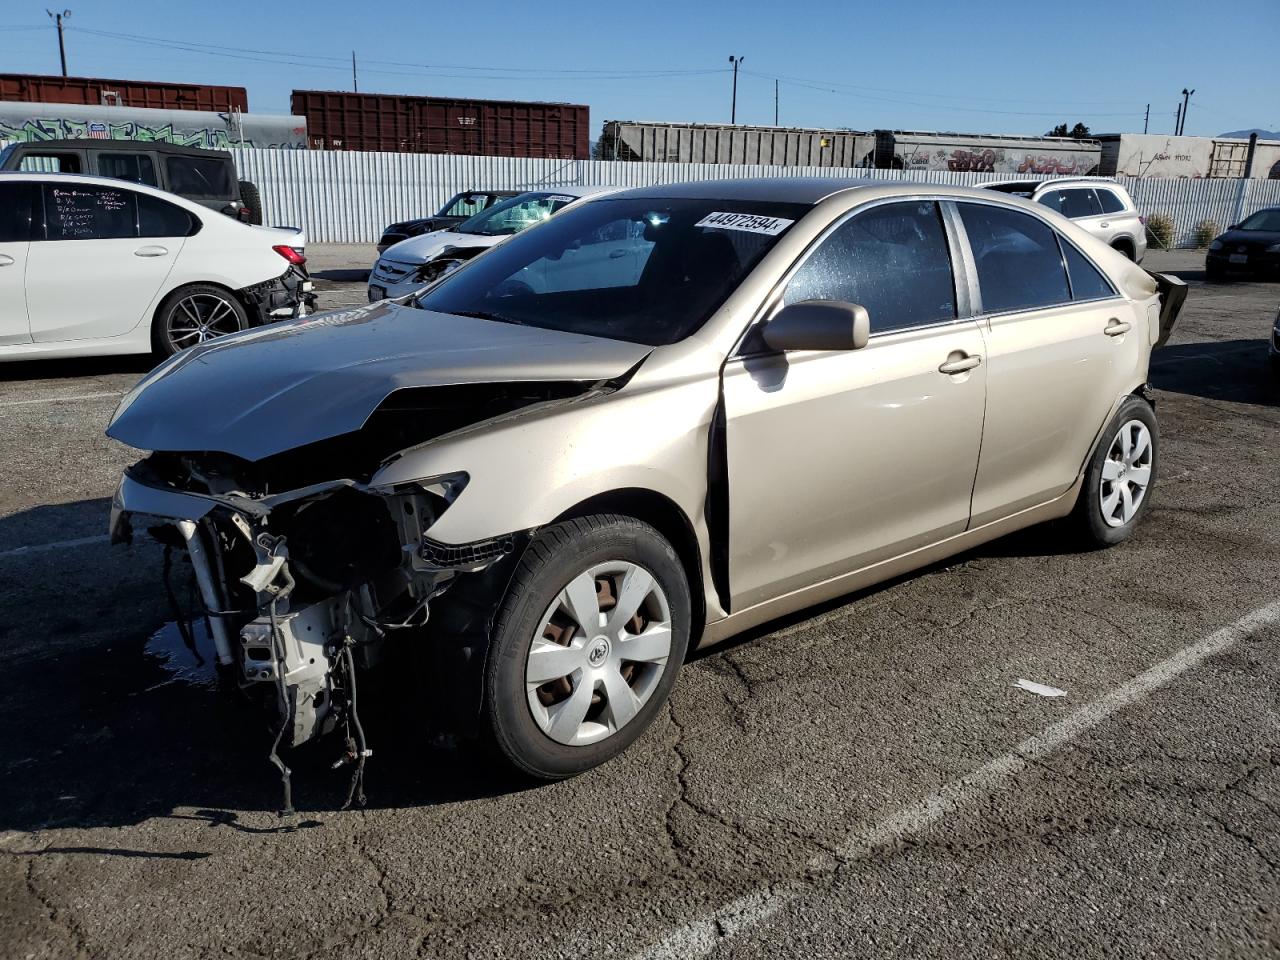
{"points": [[747, 222]]}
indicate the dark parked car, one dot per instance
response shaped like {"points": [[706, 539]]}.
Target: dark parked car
{"points": [[460, 207], [206, 177], [1252, 247]]}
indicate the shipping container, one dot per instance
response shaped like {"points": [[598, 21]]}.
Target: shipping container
{"points": [[24, 122], [981, 153], [733, 143], [96, 91], [445, 125]]}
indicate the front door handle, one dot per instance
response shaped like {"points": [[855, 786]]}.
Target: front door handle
{"points": [[154, 251], [959, 362], [1117, 328], [5, 260], [1104, 223]]}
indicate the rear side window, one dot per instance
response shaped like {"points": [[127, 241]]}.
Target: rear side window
{"points": [[89, 212], [50, 163], [1111, 202], [1053, 200], [1019, 264], [134, 167], [159, 218], [1087, 282], [893, 260], [1080, 203], [16, 203], [199, 177]]}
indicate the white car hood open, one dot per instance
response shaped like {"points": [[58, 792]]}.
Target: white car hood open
{"points": [[430, 245]]}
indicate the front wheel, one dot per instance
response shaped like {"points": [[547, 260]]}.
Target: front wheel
{"points": [[195, 314], [587, 645], [1119, 479]]}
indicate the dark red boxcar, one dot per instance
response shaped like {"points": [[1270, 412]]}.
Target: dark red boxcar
{"points": [[36, 88], [402, 124]]}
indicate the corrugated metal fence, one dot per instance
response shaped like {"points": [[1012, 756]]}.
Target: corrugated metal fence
{"points": [[348, 197]]}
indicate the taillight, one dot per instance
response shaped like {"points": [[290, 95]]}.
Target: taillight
{"points": [[292, 254], [243, 215], [1142, 220]]}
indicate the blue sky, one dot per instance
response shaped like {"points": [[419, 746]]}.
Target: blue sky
{"points": [[980, 67]]}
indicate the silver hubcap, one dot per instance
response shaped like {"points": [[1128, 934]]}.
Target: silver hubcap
{"points": [[201, 317], [1126, 473], [599, 653]]}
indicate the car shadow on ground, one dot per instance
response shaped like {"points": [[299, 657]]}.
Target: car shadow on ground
{"points": [[1238, 371], [77, 367], [341, 275]]}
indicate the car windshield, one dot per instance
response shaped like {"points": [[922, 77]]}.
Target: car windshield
{"points": [[514, 214], [1263, 220], [646, 271]]}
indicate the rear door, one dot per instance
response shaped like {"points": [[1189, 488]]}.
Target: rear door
{"points": [[93, 275], [840, 459], [17, 203], [1062, 346]]}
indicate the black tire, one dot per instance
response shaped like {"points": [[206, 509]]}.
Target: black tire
{"points": [[555, 557], [252, 199], [172, 320], [1126, 248], [1088, 520]]}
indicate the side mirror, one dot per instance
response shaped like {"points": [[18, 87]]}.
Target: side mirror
{"points": [[818, 325]]}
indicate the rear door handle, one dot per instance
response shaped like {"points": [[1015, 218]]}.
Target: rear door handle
{"points": [[153, 251], [959, 362], [1104, 223], [5, 260], [1117, 328]]}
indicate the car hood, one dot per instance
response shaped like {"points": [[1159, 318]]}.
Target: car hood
{"points": [[1251, 237], [268, 390], [430, 245]]}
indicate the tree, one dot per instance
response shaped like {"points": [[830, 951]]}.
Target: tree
{"points": [[1078, 132]]}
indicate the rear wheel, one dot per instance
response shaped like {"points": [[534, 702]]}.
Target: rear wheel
{"points": [[195, 314], [587, 645], [1125, 247], [1120, 477]]}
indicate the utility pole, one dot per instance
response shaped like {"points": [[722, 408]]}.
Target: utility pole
{"points": [[1146, 119], [1177, 119], [775, 101], [1186, 102], [62, 47], [733, 108], [355, 85]]}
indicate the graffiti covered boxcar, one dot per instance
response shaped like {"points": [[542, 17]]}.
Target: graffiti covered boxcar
{"points": [[977, 153]]}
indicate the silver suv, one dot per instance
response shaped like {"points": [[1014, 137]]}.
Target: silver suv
{"points": [[1102, 208]]}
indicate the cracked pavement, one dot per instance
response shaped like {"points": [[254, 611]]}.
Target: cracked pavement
{"points": [[137, 818]]}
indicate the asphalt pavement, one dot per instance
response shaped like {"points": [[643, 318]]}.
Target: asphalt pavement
{"points": [[862, 780]]}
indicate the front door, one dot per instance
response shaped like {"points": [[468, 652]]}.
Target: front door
{"points": [[16, 204], [837, 460]]}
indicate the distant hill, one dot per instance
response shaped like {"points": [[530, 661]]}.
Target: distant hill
{"points": [[1262, 134]]}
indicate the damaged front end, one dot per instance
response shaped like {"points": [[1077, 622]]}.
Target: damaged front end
{"points": [[300, 589]]}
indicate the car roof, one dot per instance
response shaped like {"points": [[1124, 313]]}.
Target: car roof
{"points": [[777, 189], [115, 182], [82, 143]]}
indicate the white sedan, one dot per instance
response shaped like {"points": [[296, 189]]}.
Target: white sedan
{"points": [[90, 265], [412, 264]]}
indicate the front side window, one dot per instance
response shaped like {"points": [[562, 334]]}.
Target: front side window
{"points": [[1080, 203], [1111, 202], [18, 202], [893, 260], [642, 270], [199, 177], [514, 214], [1019, 264], [134, 167], [79, 211]]}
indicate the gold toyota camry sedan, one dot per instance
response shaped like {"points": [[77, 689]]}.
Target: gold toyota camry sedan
{"points": [[660, 418]]}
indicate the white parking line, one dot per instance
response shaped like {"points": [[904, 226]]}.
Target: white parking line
{"points": [[58, 545], [71, 399], [700, 937]]}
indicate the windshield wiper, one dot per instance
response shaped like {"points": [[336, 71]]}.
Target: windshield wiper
{"points": [[482, 315]]}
